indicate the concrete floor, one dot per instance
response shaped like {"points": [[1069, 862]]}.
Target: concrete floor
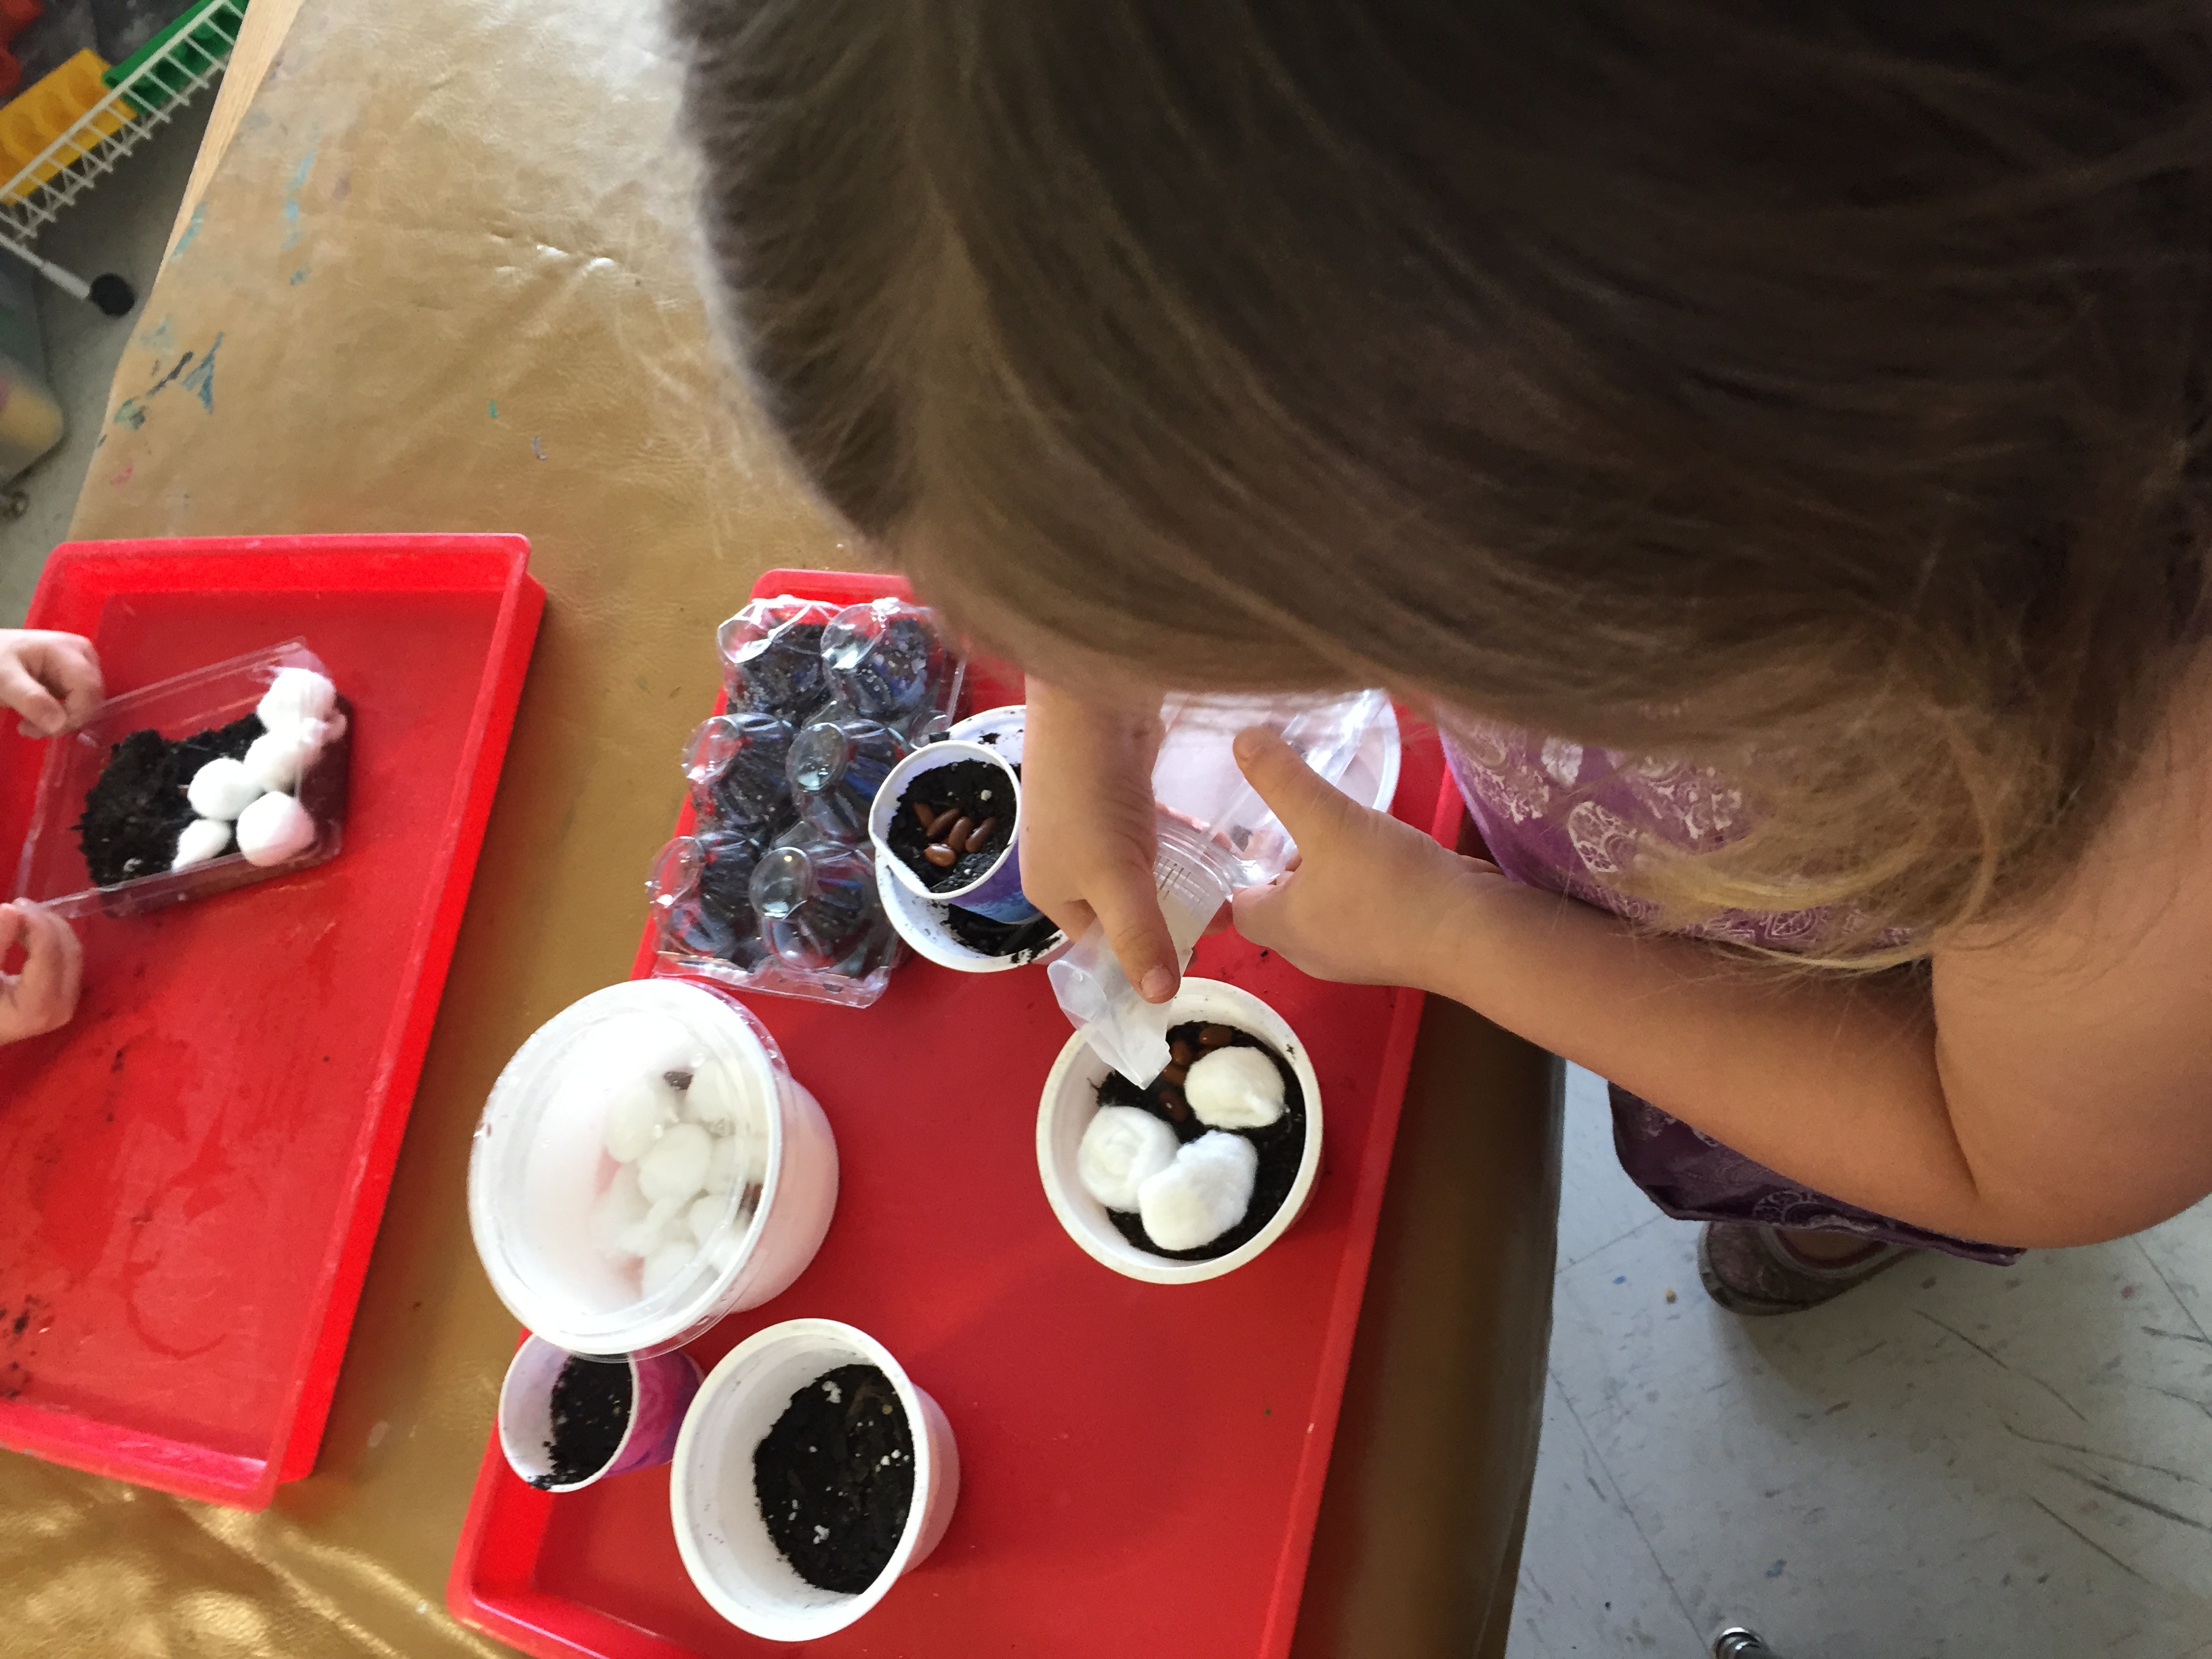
{"points": [[122, 225], [1952, 1462]]}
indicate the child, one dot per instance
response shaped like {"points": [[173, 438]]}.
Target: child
{"points": [[52, 680], [1771, 440]]}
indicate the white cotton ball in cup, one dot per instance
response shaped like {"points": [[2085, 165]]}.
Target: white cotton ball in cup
{"points": [[668, 1264], [617, 1210], [202, 839], [1122, 1148], [275, 760], [712, 1100], [1202, 1194], [639, 1109], [674, 1168], [295, 695], [661, 1225], [706, 1214], [223, 789], [1234, 1088], [274, 829]]}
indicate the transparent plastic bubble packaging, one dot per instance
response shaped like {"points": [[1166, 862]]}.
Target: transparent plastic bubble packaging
{"points": [[774, 889]]}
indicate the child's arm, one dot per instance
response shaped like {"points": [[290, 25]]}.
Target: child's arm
{"points": [[52, 680], [2057, 1089], [44, 995]]}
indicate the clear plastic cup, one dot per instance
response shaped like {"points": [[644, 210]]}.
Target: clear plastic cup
{"points": [[557, 1216], [1070, 1101], [661, 1387], [715, 1508]]}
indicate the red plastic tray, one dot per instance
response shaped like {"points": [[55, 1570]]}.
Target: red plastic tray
{"points": [[1141, 1465], [192, 1171]]}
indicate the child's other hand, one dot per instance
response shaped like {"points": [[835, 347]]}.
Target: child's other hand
{"points": [[1368, 899], [44, 995], [52, 680]]}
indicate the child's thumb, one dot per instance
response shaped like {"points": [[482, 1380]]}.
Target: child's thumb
{"points": [[1308, 805]]}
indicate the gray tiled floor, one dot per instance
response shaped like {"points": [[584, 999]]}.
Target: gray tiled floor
{"points": [[1953, 1462], [122, 225]]}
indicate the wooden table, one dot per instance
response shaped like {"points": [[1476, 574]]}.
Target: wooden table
{"points": [[436, 252]]}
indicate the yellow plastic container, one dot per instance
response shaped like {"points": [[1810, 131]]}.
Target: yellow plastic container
{"points": [[34, 119]]}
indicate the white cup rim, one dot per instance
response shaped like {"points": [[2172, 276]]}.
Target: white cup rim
{"points": [[1082, 1216]]}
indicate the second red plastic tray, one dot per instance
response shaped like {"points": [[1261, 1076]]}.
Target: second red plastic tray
{"points": [[1141, 1465]]}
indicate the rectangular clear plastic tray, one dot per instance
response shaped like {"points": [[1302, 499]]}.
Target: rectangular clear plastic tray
{"points": [[52, 871]]}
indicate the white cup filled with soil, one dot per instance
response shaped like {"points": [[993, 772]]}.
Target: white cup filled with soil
{"points": [[646, 1164], [566, 1419], [1219, 1153], [968, 941], [944, 819], [811, 1474]]}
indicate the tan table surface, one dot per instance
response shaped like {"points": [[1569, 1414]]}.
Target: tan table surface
{"points": [[444, 273]]}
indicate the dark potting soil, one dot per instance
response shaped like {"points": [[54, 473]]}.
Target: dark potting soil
{"points": [[1023, 940], [135, 812], [836, 1478], [591, 1414], [974, 790], [1281, 1145]]}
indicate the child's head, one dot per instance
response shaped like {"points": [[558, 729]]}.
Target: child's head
{"points": [[1822, 383]]}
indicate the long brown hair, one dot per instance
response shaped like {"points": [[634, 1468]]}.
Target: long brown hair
{"points": [[1815, 392]]}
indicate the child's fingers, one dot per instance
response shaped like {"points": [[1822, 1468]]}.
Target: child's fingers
{"points": [[1309, 807], [53, 969], [43, 713]]}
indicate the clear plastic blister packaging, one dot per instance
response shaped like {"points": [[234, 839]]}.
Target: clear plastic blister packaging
{"points": [[192, 786], [774, 889]]}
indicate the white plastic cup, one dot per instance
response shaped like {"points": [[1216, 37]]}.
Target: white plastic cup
{"points": [[661, 1387], [540, 1162], [1070, 1101], [997, 893], [715, 1508]]}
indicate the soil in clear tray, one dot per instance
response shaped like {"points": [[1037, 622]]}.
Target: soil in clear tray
{"points": [[135, 812], [591, 1414], [836, 1478]]}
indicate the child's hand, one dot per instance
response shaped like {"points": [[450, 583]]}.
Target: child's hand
{"points": [[52, 680], [1370, 900], [44, 995]]}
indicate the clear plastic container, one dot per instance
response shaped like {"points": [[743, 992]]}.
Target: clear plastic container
{"points": [[838, 761], [736, 765], [645, 1166], [886, 660], [52, 871], [771, 655]]}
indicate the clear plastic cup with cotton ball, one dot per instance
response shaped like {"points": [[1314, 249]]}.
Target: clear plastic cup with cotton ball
{"points": [[714, 1501], [646, 1164], [1179, 1185]]}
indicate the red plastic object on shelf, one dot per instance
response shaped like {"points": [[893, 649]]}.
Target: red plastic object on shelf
{"points": [[192, 1171], [1141, 1465]]}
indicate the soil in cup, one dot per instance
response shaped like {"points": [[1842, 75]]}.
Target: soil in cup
{"points": [[591, 1414], [952, 823], [136, 810], [836, 1478], [1281, 1145], [1023, 940]]}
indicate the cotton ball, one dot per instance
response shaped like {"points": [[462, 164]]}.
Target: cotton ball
{"points": [[203, 839], [275, 759], [666, 1265], [706, 1214], [661, 1225], [641, 1108], [1202, 1194], [661, 1046], [675, 1166], [296, 695], [223, 789], [713, 1099], [617, 1210], [274, 829], [725, 1167], [1235, 1089], [1121, 1149]]}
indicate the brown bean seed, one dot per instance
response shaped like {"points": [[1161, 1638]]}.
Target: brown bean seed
{"points": [[1183, 1053], [939, 855], [958, 841], [1171, 1098], [925, 815], [1215, 1036], [1175, 1074], [943, 822], [981, 833]]}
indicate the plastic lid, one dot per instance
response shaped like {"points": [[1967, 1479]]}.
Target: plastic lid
{"points": [[621, 1163]]}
